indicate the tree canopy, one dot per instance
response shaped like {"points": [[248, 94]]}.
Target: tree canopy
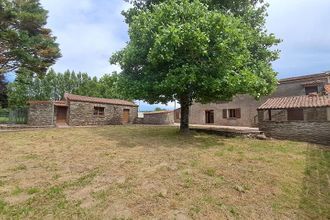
{"points": [[52, 86], [252, 12], [25, 42], [188, 51]]}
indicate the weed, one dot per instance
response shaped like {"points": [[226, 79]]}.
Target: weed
{"points": [[20, 167], [17, 191], [32, 191], [210, 172]]}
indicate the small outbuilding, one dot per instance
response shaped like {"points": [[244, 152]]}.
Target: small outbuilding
{"points": [[77, 110], [302, 118]]}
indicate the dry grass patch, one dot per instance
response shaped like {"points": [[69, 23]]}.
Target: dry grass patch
{"points": [[138, 172]]}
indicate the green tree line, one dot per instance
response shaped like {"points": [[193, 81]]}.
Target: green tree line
{"points": [[52, 86]]}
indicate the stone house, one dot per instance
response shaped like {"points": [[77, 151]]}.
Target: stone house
{"points": [[77, 110], [242, 109], [302, 118]]}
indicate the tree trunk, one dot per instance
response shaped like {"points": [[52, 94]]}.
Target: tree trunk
{"points": [[184, 122]]}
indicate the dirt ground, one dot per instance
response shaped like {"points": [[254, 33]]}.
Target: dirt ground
{"points": [[150, 172]]}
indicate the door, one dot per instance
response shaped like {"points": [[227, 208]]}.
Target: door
{"points": [[209, 117], [61, 115], [126, 116]]}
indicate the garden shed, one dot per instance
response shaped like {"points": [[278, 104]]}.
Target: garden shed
{"points": [[302, 118], [76, 110]]}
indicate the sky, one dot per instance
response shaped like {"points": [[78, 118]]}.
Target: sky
{"points": [[90, 31]]}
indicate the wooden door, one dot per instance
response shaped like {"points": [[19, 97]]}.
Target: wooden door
{"points": [[209, 117], [126, 116], [61, 114]]}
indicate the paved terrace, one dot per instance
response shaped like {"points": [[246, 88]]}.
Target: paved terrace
{"points": [[225, 130]]}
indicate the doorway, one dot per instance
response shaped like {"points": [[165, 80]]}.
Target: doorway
{"points": [[209, 117], [126, 116], [61, 115]]}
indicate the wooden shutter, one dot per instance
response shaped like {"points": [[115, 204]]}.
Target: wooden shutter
{"points": [[238, 113], [224, 113], [295, 114]]}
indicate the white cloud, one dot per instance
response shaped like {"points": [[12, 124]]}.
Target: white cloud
{"points": [[304, 26], [88, 32]]}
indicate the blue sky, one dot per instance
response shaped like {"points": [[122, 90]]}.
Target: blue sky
{"points": [[89, 31]]}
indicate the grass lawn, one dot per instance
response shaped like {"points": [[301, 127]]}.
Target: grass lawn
{"points": [[4, 119], [139, 172]]}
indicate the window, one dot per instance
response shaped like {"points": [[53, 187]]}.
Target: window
{"points": [[98, 110], [295, 114], [311, 89], [209, 117], [231, 113]]}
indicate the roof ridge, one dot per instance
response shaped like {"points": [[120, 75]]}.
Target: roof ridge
{"points": [[81, 98]]}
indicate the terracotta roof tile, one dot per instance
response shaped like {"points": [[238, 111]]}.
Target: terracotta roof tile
{"points": [[61, 103], [311, 101], [79, 98]]}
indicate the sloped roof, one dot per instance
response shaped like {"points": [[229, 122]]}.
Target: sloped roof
{"points": [[307, 101], [79, 98]]}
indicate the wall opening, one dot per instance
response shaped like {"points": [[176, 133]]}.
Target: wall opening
{"points": [[209, 117], [295, 114]]}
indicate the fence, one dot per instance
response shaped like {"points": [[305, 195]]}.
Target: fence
{"points": [[13, 116]]}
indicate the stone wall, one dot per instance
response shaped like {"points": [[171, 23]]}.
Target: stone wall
{"points": [[315, 114], [82, 113], [296, 88], [310, 115], [314, 132], [159, 118], [41, 113]]}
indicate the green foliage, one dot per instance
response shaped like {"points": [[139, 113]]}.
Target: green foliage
{"points": [[24, 39], [252, 12], [158, 109], [184, 49], [28, 86]]}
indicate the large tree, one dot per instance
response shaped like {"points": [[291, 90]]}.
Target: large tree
{"points": [[187, 51], [25, 42]]}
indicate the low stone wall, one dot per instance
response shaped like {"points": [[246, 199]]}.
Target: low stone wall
{"points": [[40, 113], [159, 118], [314, 132]]}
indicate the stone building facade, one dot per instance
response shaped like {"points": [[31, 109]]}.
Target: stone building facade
{"points": [[40, 113], [82, 110], [242, 110]]}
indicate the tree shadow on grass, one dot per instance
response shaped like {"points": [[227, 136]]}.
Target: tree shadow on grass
{"points": [[163, 137], [315, 198]]}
